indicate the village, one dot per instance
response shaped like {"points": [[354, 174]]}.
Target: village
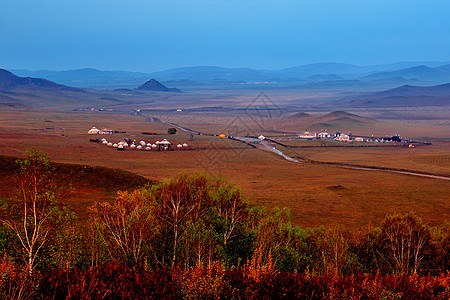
{"points": [[342, 137], [163, 145]]}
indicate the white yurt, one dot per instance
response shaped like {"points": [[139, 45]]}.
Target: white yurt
{"points": [[139, 147], [109, 144], [166, 144], [94, 130]]}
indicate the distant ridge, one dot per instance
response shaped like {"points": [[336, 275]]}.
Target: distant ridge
{"points": [[422, 73], [406, 95], [340, 114], [11, 82], [154, 85]]}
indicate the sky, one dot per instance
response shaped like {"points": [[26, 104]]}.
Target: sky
{"points": [[147, 35]]}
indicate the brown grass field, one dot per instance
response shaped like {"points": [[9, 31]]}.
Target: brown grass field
{"points": [[316, 194]]}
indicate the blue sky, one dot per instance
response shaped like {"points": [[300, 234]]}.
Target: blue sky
{"points": [[147, 35]]}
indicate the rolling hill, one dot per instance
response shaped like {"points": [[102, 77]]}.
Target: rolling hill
{"points": [[334, 121]]}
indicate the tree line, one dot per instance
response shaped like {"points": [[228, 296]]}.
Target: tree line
{"points": [[195, 234]]}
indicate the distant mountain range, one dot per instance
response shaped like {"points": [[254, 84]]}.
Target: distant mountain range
{"points": [[320, 75], [38, 91], [406, 95]]}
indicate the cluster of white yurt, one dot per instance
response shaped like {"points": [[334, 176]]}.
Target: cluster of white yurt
{"points": [[163, 145]]}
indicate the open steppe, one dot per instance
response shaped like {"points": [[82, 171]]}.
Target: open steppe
{"points": [[316, 194]]}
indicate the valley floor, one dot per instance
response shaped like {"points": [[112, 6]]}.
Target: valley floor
{"points": [[316, 194]]}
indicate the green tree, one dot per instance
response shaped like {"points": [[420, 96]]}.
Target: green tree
{"points": [[202, 216], [30, 218], [273, 233], [172, 130]]}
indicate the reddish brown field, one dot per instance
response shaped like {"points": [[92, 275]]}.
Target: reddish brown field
{"points": [[317, 195]]}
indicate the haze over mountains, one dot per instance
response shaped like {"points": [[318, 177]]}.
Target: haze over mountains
{"points": [[320, 75], [348, 85]]}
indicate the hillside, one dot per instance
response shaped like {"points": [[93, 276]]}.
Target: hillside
{"points": [[11, 82], [90, 183]]}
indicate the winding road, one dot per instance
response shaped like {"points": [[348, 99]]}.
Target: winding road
{"points": [[264, 146]]}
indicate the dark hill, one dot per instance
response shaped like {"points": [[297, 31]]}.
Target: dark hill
{"points": [[154, 85], [299, 115], [11, 82]]}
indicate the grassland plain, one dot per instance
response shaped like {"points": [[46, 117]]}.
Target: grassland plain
{"points": [[316, 194]]}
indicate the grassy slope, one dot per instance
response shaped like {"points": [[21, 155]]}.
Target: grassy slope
{"points": [[89, 183]]}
